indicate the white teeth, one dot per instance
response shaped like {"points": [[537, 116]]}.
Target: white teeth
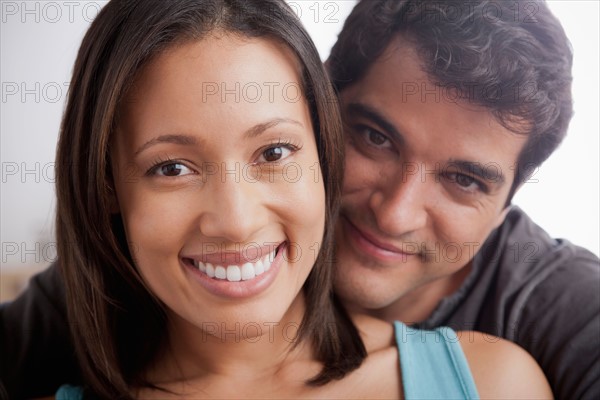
{"points": [[267, 263], [234, 273], [248, 272], [259, 268], [220, 272], [210, 270], [201, 266]]}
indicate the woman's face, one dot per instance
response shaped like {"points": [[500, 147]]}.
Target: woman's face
{"points": [[218, 182]]}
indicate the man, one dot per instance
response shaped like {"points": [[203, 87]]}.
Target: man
{"points": [[448, 107]]}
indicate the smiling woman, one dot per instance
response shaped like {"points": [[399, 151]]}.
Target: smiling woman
{"points": [[162, 236], [221, 210]]}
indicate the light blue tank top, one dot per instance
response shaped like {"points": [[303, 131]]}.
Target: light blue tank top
{"points": [[68, 392], [432, 362]]}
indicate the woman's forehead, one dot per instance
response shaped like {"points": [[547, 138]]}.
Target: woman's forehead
{"points": [[219, 82]]}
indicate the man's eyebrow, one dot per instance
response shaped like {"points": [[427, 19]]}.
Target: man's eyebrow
{"points": [[370, 113], [490, 172], [258, 129], [183, 140]]}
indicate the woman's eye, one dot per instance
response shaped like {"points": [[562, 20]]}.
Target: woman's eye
{"points": [[171, 169], [274, 153]]}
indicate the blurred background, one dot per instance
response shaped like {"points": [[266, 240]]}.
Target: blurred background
{"points": [[38, 44]]}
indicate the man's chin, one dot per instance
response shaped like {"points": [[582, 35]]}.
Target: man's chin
{"points": [[363, 296]]}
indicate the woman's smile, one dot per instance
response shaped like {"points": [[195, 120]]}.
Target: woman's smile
{"points": [[235, 274]]}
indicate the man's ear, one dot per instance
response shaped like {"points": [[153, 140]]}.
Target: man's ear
{"points": [[502, 216], [508, 206]]}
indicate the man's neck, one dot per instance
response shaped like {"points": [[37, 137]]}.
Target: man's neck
{"points": [[417, 305]]}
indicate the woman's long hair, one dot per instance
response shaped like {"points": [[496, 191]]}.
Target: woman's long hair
{"points": [[117, 325]]}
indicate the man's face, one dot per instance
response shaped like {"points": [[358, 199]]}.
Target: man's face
{"points": [[427, 179]]}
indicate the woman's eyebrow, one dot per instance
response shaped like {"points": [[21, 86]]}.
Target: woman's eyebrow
{"points": [[175, 139], [258, 129], [250, 133]]}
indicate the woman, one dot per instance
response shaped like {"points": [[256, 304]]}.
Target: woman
{"points": [[198, 173]]}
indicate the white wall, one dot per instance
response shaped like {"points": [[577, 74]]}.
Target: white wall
{"points": [[39, 40], [563, 196]]}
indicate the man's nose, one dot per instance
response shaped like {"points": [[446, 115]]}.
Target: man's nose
{"points": [[400, 206]]}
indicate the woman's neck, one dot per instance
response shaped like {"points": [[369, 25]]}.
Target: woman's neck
{"points": [[231, 353]]}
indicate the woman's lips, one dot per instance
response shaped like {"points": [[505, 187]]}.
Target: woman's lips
{"points": [[371, 246], [234, 280], [251, 252], [234, 267]]}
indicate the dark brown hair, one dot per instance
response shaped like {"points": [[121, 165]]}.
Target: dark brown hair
{"points": [[510, 57], [118, 326]]}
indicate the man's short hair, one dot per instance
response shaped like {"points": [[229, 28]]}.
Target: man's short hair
{"points": [[510, 57]]}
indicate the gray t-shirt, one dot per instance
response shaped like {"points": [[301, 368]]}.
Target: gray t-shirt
{"points": [[539, 292]]}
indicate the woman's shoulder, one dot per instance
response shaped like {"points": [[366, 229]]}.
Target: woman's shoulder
{"points": [[502, 369]]}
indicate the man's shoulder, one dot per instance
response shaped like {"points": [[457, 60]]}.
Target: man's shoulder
{"points": [[528, 269], [519, 272], [541, 293], [523, 251]]}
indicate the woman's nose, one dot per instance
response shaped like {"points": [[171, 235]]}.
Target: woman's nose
{"points": [[232, 207]]}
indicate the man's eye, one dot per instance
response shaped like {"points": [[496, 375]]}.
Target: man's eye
{"points": [[466, 182], [372, 137], [376, 138], [275, 153]]}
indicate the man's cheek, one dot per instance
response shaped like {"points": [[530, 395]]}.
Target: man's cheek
{"points": [[362, 175]]}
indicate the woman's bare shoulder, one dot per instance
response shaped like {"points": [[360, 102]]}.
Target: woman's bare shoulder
{"points": [[502, 369]]}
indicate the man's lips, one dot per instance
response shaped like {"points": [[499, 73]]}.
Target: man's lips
{"points": [[373, 246]]}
